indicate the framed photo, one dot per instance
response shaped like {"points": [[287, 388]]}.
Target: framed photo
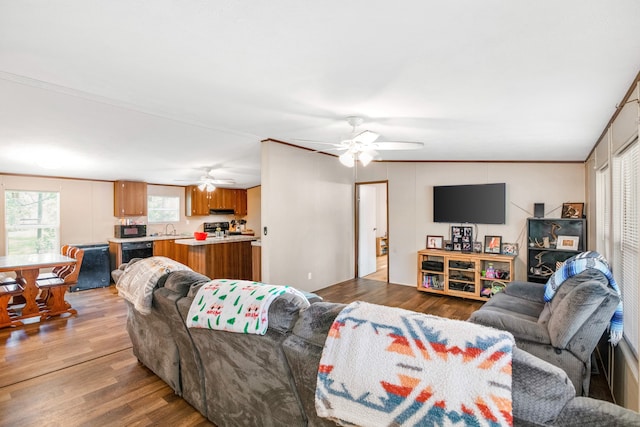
{"points": [[477, 247], [568, 243], [448, 246], [462, 238], [572, 210], [510, 249], [435, 242], [492, 244]]}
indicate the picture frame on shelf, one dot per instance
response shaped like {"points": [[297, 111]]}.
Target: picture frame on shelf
{"points": [[477, 247], [572, 210], [435, 242], [448, 246], [492, 244], [569, 243], [462, 238], [510, 249]]}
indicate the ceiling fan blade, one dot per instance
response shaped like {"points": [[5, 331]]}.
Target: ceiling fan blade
{"points": [[311, 141], [397, 145], [365, 137]]}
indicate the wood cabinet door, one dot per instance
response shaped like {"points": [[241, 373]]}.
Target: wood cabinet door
{"points": [[241, 202], [228, 198], [215, 198], [130, 198], [197, 202], [164, 248]]}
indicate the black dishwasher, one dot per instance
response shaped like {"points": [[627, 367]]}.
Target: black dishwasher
{"points": [[94, 270], [131, 250]]}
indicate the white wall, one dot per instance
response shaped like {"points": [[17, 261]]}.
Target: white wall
{"points": [[411, 194], [86, 208], [307, 207]]}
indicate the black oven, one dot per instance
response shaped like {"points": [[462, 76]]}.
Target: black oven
{"points": [[132, 250]]}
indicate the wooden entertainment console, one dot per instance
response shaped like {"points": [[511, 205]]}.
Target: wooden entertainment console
{"points": [[462, 274]]}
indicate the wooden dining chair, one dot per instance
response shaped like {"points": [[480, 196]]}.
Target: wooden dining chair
{"points": [[54, 286], [9, 317]]}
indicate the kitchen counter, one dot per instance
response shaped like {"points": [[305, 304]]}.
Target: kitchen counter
{"points": [[215, 240], [150, 238]]}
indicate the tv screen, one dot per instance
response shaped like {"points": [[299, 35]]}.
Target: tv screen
{"points": [[475, 204]]}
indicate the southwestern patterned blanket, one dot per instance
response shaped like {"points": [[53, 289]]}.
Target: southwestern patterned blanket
{"points": [[384, 366]]}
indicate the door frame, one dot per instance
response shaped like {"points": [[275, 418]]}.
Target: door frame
{"points": [[356, 211]]}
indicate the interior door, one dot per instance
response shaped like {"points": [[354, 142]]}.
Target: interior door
{"points": [[366, 230]]}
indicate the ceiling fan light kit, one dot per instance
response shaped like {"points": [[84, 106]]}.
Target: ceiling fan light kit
{"points": [[362, 146], [206, 186]]}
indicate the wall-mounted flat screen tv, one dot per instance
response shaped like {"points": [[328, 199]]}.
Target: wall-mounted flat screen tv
{"points": [[475, 204]]}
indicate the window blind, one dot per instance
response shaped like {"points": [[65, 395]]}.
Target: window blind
{"points": [[626, 244]]}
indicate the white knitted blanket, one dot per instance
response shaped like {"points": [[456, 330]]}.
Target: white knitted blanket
{"points": [[140, 278]]}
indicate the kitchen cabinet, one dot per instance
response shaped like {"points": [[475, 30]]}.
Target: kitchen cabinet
{"points": [[463, 274], [129, 198], [196, 201], [223, 198], [256, 262], [241, 202], [199, 202], [164, 248]]}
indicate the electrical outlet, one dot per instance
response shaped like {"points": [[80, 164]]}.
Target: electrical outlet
{"points": [[309, 276]]}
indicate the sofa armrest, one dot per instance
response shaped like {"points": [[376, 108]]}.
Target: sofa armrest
{"points": [[585, 411], [540, 390], [526, 290], [520, 328]]}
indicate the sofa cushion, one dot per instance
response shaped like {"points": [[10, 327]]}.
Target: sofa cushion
{"points": [[316, 320], [181, 281], [576, 300]]}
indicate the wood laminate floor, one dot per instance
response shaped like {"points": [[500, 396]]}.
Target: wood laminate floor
{"points": [[80, 371]]}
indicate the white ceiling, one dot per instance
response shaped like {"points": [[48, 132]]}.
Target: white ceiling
{"points": [[157, 90]]}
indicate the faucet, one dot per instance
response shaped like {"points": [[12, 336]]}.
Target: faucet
{"points": [[166, 228]]}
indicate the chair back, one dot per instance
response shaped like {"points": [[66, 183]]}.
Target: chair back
{"points": [[580, 312], [69, 273]]}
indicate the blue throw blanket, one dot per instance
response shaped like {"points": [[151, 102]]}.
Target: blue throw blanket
{"points": [[578, 264]]}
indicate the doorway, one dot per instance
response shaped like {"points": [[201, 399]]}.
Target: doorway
{"points": [[372, 225]]}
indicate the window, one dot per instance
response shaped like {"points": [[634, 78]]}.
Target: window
{"points": [[625, 250], [163, 209], [32, 222]]}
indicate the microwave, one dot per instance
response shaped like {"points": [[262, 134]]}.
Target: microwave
{"points": [[128, 231]]}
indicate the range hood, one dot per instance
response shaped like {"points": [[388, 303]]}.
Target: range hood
{"points": [[221, 212]]}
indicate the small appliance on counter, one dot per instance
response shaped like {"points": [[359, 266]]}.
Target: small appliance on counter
{"points": [[212, 227], [130, 231]]}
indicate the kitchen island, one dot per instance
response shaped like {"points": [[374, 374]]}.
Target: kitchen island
{"points": [[217, 258]]}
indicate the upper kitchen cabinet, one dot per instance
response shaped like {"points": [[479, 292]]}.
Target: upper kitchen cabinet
{"points": [[197, 202], [241, 202], [223, 198], [129, 198]]}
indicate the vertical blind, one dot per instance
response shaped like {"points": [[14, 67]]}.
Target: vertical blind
{"points": [[626, 245]]}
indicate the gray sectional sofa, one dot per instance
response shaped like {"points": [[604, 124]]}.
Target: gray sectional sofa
{"points": [[253, 380]]}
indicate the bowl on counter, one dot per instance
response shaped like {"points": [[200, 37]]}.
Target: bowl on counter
{"points": [[200, 235]]}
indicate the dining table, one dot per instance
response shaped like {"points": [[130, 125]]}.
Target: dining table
{"points": [[27, 268]]}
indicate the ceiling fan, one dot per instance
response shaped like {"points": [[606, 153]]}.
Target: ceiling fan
{"points": [[363, 146], [209, 182]]}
